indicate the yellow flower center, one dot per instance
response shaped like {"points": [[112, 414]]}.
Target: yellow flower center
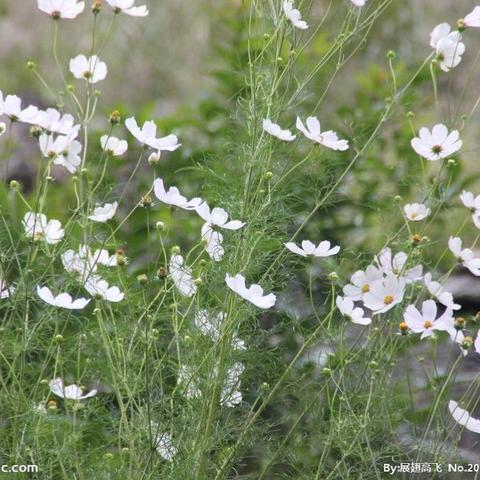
{"points": [[428, 324], [366, 288], [388, 300]]}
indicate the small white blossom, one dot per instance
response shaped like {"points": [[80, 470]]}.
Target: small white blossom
{"points": [[441, 32], [127, 7], [294, 15], [218, 217], [395, 264], [63, 300], [473, 204], [64, 150], [253, 294], [328, 139], [5, 290], [71, 392], [11, 106], [276, 131], [147, 135], [437, 291], [173, 196], [61, 8], [465, 256], [449, 53], [37, 227], [473, 18], [361, 281], [213, 242], [438, 143], [182, 276], [164, 444], [91, 69], [310, 249], [104, 213], [462, 417], [347, 308], [113, 145], [426, 321], [384, 293], [52, 121], [99, 288], [416, 212]]}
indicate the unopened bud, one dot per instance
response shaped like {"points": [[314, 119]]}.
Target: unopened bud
{"points": [[146, 201], [52, 405], [268, 175], [142, 279], [461, 25], [451, 162], [467, 343], [154, 158], [459, 323], [96, 7], [391, 54], [175, 250], [14, 185], [70, 88], [31, 65], [397, 198], [115, 117], [198, 281], [160, 226], [120, 257], [333, 276], [410, 114], [58, 338]]}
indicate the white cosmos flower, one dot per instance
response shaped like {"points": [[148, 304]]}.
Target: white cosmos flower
{"points": [[416, 212], [91, 69], [173, 196], [473, 204], [294, 15], [449, 53], [181, 276], [11, 106], [462, 417], [213, 242], [53, 121], [61, 8], [5, 290], [186, 379], [361, 281], [328, 139], [85, 262], [218, 217], [231, 395], [437, 291], [473, 18], [104, 213], [276, 131], [64, 150], [310, 249], [384, 293], [113, 145], [347, 308], [438, 143], [210, 324], [147, 136], [253, 294], [426, 321], [71, 392], [37, 227], [163, 441], [99, 288], [443, 31], [396, 264], [465, 256], [128, 8], [63, 300]]}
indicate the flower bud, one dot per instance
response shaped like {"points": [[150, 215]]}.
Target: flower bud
{"points": [[198, 281], [326, 371], [461, 25], [70, 88], [459, 323], [154, 158], [15, 185], [397, 198], [467, 343], [333, 276], [175, 250], [58, 338], [160, 226], [108, 455], [96, 7], [35, 132], [391, 54], [146, 201], [410, 114], [115, 117], [451, 162], [97, 93], [142, 279], [31, 65], [120, 257], [52, 405], [268, 175], [162, 272], [403, 328], [416, 238]]}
